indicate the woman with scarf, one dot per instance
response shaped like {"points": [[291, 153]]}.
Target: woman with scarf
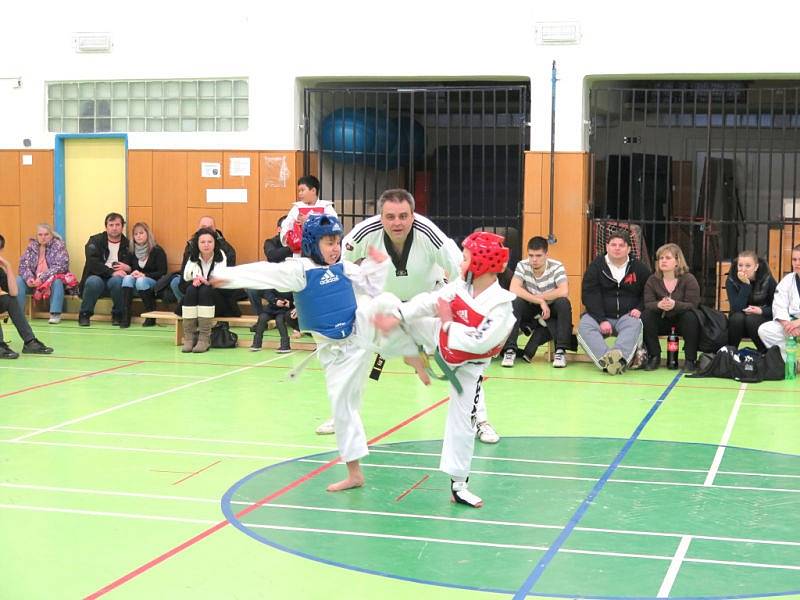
{"points": [[44, 270], [148, 263], [750, 288]]}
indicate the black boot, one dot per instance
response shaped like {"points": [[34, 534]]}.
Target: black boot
{"points": [[149, 304], [127, 306]]}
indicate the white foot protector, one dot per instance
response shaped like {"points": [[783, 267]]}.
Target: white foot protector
{"points": [[462, 495], [327, 428]]}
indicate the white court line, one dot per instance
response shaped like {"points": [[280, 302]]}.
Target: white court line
{"points": [[150, 450], [148, 397], [386, 536], [674, 567], [123, 374], [396, 515], [771, 405], [726, 437]]}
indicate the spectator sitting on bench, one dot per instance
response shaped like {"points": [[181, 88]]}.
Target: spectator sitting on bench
{"points": [[9, 304], [175, 280], [785, 309], [201, 302], [750, 287], [308, 202], [43, 268], [106, 264], [542, 305], [148, 262]]}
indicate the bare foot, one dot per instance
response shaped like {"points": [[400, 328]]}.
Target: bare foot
{"points": [[346, 484], [418, 363]]}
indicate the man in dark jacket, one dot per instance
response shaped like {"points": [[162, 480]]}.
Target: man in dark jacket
{"points": [[107, 255], [613, 294]]}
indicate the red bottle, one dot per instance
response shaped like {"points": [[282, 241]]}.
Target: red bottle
{"points": [[672, 350]]}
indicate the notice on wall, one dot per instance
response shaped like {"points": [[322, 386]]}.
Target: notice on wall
{"points": [[210, 169], [27, 160], [227, 195], [239, 167]]}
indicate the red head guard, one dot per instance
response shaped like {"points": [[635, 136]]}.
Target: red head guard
{"points": [[488, 255]]}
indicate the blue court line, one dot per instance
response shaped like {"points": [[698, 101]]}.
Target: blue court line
{"points": [[543, 563]]}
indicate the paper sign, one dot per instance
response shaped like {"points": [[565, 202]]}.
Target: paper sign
{"points": [[27, 159], [227, 195], [239, 167], [210, 169]]}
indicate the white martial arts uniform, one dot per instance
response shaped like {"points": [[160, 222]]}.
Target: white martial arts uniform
{"points": [[785, 306], [346, 360], [479, 328], [298, 208]]}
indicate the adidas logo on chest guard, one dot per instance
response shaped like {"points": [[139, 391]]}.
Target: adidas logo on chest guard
{"points": [[328, 277]]}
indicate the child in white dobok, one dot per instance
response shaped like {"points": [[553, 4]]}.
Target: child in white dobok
{"points": [[334, 304], [467, 323]]}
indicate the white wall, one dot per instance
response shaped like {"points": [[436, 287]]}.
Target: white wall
{"points": [[275, 43]]}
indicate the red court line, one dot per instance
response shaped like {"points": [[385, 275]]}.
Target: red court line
{"points": [[214, 528], [73, 378], [190, 475], [412, 488]]}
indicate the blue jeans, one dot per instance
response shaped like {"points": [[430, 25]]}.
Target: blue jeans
{"points": [[255, 297], [97, 286], [56, 295], [173, 285], [139, 284]]}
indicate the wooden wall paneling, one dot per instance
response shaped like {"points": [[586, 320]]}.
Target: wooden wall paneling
{"points": [[197, 184], [36, 192], [10, 162], [140, 178], [575, 297], [267, 227], [169, 203], [9, 227], [194, 214], [313, 165], [277, 180], [241, 219], [137, 214], [533, 189]]}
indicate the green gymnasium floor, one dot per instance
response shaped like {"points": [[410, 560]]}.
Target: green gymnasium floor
{"points": [[130, 470]]}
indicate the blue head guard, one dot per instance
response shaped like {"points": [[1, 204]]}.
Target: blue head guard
{"points": [[315, 228]]}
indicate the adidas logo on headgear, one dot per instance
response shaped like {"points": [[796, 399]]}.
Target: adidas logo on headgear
{"points": [[328, 277]]}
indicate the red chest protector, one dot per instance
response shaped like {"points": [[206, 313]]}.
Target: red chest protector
{"points": [[294, 238], [466, 315]]}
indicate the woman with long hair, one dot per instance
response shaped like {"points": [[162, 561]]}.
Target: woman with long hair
{"points": [[199, 301], [148, 263], [750, 288], [670, 294]]}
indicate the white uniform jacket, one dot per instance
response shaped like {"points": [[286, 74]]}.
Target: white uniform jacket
{"points": [[786, 301]]}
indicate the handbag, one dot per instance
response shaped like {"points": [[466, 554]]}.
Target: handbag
{"points": [[222, 336]]}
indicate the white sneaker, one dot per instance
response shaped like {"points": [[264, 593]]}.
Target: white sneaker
{"points": [[560, 359], [55, 319], [487, 434], [508, 358], [326, 428]]}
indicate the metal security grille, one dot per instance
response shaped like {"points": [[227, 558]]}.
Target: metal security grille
{"points": [[711, 166], [458, 149]]}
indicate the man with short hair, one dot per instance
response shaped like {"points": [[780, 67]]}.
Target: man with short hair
{"points": [[422, 257], [107, 255], [205, 222], [613, 294], [542, 305], [9, 304]]}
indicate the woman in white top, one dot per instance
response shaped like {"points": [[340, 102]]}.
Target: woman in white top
{"points": [[199, 302]]}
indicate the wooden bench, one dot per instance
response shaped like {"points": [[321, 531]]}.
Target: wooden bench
{"points": [[245, 321]]}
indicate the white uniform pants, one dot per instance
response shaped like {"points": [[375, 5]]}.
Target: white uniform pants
{"points": [[773, 334], [462, 417], [345, 364]]}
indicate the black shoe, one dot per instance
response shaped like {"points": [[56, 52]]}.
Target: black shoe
{"points": [[83, 319], [6, 352], [149, 323], [115, 320], [652, 363], [36, 347], [689, 366]]}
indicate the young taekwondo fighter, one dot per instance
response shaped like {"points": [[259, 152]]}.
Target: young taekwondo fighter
{"points": [[325, 293], [475, 316], [422, 257]]}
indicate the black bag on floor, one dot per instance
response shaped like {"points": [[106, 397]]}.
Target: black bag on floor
{"points": [[222, 336], [713, 328], [743, 365]]}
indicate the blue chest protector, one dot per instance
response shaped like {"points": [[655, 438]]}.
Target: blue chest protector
{"points": [[327, 305]]}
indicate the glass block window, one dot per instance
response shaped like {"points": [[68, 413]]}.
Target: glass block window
{"points": [[174, 105]]}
